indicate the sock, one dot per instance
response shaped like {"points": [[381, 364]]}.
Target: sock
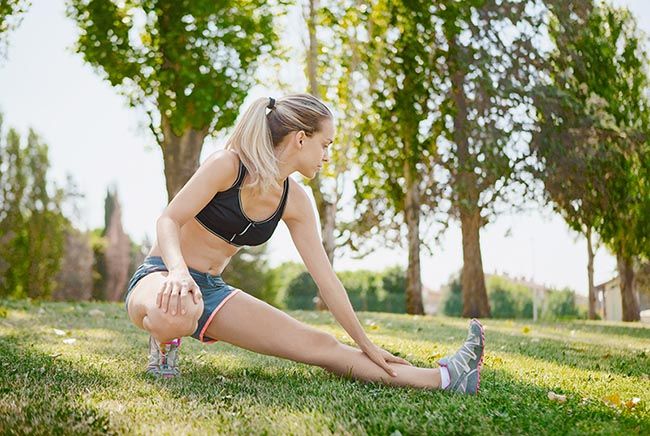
{"points": [[444, 377]]}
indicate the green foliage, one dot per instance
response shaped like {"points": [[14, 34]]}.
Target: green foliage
{"points": [[394, 145], [509, 299], [367, 290], [11, 12], [98, 243], [453, 303], [190, 64], [560, 305], [512, 300], [31, 222], [249, 271], [594, 123], [301, 292]]}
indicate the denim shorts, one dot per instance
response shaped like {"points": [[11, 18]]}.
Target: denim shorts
{"points": [[215, 292]]}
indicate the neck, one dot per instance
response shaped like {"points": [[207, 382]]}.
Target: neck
{"points": [[284, 165]]}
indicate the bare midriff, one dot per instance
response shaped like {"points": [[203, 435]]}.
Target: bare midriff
{"points": [[201, 250]]}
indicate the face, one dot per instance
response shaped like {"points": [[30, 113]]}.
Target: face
{"points": [[314, 151]]}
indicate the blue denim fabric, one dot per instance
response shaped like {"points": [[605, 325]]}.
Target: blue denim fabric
{"points": [[213, 288]]}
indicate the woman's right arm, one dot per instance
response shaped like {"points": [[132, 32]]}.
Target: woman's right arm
{"points": [[217, 173]]}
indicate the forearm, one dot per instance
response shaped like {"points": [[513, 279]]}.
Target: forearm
{"points": [[338, 302], [168, 236]]}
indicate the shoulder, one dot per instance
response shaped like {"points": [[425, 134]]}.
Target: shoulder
{"points": [[225, 159], [224, 162], [298, 205]]}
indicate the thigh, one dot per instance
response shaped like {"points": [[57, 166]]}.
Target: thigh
{"points": [[250, 323]]}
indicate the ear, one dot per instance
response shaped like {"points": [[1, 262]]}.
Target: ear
{"points": [[300, 136]]}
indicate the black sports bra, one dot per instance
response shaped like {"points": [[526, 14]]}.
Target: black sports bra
{"points": [[223, 216]]}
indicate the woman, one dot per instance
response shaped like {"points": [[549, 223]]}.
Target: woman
{"points": [[235, 198]]}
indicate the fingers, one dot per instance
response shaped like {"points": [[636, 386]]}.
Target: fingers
{"points": [[388, 369], [196, 294], [167, 289], [182, 297], [379, 360], [174, 297], [400, 360], [159, 295]]}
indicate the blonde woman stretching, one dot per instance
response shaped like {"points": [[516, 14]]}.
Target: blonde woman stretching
{"points": [[236, 198]]}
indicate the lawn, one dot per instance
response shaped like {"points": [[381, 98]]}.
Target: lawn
{"points": [[78, 368]]}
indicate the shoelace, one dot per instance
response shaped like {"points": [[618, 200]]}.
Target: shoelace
{"points": [[465, 354]]}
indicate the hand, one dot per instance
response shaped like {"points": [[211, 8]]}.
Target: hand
{"points": [[381, 357], [173, 293]]}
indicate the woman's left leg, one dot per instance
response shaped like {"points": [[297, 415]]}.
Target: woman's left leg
{"points": [[255, 325]]}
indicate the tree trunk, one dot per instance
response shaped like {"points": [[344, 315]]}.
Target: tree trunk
{"points": [[590, 276], [412, 217], [626, 280], [326, 209], [181, 155], [475, 300]]}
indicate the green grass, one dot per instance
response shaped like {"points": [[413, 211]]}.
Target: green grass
{"points": [[97, 385]]}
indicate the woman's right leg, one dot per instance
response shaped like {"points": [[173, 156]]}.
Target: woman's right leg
{"points": [[163, 326], [255, 325]]}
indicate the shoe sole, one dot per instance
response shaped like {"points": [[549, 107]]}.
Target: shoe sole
{"points": [[480, 362]]}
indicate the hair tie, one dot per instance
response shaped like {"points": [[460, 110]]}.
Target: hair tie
{"points": [[272, 103]]}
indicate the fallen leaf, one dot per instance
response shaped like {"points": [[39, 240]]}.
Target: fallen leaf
{"points": [[69, 341], [59, 332], [614, 399], [631, 404], [556, 397], [525, 330]]}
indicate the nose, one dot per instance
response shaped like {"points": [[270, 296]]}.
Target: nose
{"points": [[326, 155]]}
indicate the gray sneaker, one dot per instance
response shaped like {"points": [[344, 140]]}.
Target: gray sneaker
{"points": [[163, 358], [465, 365]]}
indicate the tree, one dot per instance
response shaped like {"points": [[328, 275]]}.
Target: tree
{"points": [[330, 72], [488, 64], [32, 226], [187, 64], [395, 143], [11, 12], [118, 248], [592, 137]]}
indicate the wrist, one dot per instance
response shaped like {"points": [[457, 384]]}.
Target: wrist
{"points": [[179, 269]]}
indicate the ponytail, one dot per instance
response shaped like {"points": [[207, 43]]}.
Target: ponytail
{"points": [[257, 133]]}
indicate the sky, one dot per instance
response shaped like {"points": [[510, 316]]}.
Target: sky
{"points": [[96, 137]]}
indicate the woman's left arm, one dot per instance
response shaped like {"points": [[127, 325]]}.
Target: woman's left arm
{"points": [[302, 225]]}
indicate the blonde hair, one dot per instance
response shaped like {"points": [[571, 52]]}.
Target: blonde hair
{"points": [[257, 133]]}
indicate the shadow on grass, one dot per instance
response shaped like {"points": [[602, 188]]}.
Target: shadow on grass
{"points": [[504, 406], [41, 395]]}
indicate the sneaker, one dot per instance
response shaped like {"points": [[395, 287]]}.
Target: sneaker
{"points": [[465, 365], [163, 358]]}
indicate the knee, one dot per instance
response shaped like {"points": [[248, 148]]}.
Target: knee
{"points": [[164, 327], [323, 345]]}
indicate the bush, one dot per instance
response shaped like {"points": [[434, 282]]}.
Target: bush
{"points": [[368, 290], [453, 305], [560, 305]]}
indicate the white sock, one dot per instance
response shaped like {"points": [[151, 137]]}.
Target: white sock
{"points": [[444, 377]]}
